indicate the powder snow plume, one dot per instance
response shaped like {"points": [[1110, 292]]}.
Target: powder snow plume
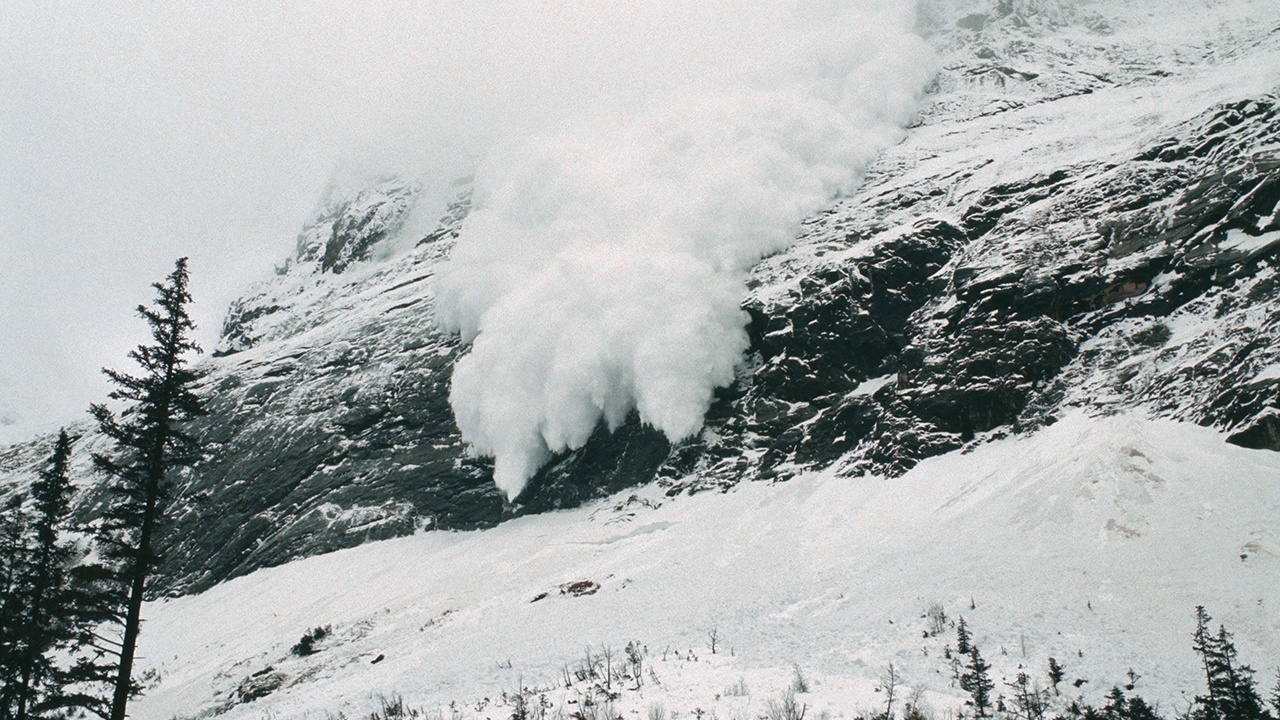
{"points": [[603, 266]]}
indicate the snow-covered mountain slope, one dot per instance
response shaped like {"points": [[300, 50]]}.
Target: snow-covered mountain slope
{"points": [[1028, 372], [1087, 215], [1090, 541]]}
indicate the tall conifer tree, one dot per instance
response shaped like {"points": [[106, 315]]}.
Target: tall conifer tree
{"points": [[71, 598], [15, 551], [53, 604], [151, 445], [1232, 694], [977, 682], [42, 623]]}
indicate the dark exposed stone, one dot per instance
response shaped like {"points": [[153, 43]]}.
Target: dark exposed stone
{"points": [[985, 375], [1262, 434]]}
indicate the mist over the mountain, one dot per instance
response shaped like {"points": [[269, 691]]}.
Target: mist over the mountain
{"points": [[135, 133]]}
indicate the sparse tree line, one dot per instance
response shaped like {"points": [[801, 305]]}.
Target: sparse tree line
{"points": [[71, 594], [1231, 692], [600, 682]]}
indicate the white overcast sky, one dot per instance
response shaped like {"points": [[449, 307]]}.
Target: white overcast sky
{"points": [[132, 133]]}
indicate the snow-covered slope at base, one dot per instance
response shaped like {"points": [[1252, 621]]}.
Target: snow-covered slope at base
{"points": [[1090, 541]]}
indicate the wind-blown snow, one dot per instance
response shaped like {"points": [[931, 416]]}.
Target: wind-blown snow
{"points": [[603, 266]]}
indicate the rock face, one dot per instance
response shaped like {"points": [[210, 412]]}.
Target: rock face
{"points": [[1087, 215]]}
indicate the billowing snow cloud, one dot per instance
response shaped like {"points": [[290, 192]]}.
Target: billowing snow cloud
{"points": [[603, 266]]}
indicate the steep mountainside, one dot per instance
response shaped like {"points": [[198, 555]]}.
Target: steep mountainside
{"points": [[1087, 215]]}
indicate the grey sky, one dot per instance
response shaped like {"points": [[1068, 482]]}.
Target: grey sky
{"points": [[133, 133]]}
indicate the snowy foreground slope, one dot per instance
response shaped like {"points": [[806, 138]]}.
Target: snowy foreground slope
{"points": [[1090, 541]]}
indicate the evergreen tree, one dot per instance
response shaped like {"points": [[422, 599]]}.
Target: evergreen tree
{"points": [[1207, 707], [962, 637], [151, 445], [15, 551], [1056, 673], [1119, 707], [977, 682], [55, 614], [41, 622], [94, 598], [1244, 703], [1232, 694]]}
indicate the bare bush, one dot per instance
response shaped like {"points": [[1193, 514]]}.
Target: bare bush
{"points": [[935, 619], [785, 708], [738, 689]]}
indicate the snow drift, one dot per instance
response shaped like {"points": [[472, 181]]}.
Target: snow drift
{"points": [[602, 268]]}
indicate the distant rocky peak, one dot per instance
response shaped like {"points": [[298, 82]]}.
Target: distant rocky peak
{"points": [[1021, 15], [451, 222], [350, 224], [347, 230]]}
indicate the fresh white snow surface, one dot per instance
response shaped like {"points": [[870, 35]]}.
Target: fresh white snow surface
{"points": [[1090, 541]]}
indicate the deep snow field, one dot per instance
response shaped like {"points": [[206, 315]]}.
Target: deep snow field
{"points": [[1090, 541]]}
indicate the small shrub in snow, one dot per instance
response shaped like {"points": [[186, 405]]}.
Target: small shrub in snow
{"points": [[1029, 701], [785, 708], [889, 681], [519, 706], [935, 619], [915, 712], [657, 712], [635, 657], [799, 684], [738, 689], [915, 707], [394, 708], [1056, 673], [307, 645], [588, 710]]}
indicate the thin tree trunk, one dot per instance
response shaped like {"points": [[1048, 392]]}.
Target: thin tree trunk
{"points": [[30, 652], [133, 619], [22, 693]]}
